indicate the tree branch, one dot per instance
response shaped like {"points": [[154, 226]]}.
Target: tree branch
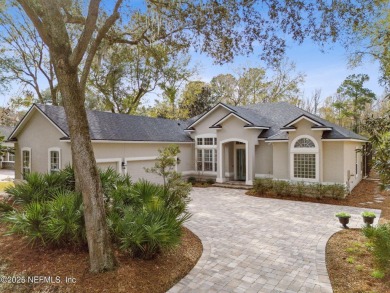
{"points": [[86, 35], [96, 43], [35, 20]]}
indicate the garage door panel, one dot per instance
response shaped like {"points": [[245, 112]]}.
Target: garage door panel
{"points": [[136, 170], [105, 165]]}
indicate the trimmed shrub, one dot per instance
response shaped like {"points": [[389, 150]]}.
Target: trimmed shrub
{"points": [[279, 186], [262, 185], [210, 181], [337, 191], [320, 190], [300, 188], [191, 180], [380, 242]]}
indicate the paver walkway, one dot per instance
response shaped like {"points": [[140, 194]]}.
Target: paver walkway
{"points": [[260, 245]]}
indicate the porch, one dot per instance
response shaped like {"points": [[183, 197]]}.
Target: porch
{"points": [[235, 161]]}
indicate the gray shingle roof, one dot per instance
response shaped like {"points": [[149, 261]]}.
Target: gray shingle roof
{"points": [[277, 115], [280, 114], [123, 127]]}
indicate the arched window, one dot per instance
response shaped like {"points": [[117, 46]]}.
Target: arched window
{"points": [[304, 159], [304, 143]]}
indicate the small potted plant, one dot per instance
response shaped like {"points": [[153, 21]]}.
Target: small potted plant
{"points": [[368, 218], [343, 218]]}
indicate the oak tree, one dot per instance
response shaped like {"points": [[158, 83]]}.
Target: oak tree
{"points": [[221, 29]]}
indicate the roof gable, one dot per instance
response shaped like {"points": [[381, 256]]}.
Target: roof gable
{"points": [[204, 115], [305, 117], [34, 109]]}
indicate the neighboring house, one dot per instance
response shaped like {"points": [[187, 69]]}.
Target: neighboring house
{"points": [[8, 155], [274, 140]]}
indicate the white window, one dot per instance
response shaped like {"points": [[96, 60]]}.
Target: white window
{"points": [[199, 160], [304, 160], [206, 160], [304, 143], [305, 166], [11, 157], [26, 161], [54, 160], [206, 153]]}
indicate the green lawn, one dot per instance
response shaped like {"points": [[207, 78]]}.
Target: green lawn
{"points": [[4, 184]]}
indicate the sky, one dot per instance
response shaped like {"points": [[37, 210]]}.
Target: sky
{"points": [[323, 70]]}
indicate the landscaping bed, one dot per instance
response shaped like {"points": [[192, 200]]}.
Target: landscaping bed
{"points": [[364, 195], [132, 275], [349, 258], [350, 264]]}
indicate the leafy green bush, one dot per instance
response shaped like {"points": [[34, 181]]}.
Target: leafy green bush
{"points": [[144, 218], [112, 180], [146, 232], [279, 186], [41, 187], [320, 190], [58, 221], [288, 188], [177, 193], [64, 224], [151, 225], [337, 191], [262, 185], [380, 239], [210, 181], [191, 180], [5, 207], [30, 222], [300, 188]]}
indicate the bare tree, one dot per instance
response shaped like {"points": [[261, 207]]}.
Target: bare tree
{"points": [[25, 58]]}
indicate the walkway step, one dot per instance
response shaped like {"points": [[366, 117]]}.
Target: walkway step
{"points": [[233, 185]]}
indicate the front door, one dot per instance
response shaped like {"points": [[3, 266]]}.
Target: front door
{"points": [[241, 164]]}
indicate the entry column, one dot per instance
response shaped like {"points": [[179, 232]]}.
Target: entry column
{"points": [[250, 160], [221, 163]]}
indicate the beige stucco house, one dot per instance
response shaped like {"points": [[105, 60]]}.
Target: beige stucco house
{"points": [[227, 143], [7, 160]]}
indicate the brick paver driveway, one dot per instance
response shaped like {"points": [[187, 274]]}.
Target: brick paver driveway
{"points": [[260, 245]]}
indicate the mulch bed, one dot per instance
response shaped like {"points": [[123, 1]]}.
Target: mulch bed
{"points": [[363, 196], [350, 264], [132, 275], [348, 259]]}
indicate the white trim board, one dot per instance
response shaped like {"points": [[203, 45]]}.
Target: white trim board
{"points": [[345, 139], [133, 159], [303, 117]]}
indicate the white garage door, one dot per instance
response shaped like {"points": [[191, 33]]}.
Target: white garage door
{"points": [[104, 166], [136, 170]]}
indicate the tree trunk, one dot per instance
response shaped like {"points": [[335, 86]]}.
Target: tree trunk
{"points": [[99, 245]]}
